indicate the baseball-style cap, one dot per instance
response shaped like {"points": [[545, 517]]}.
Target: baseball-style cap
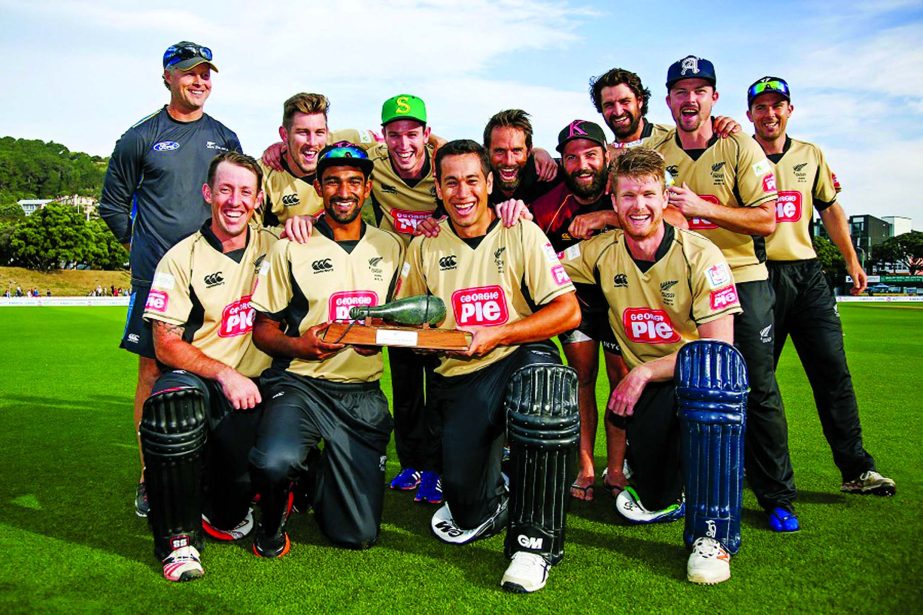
{"points": [[403, 107], [185, 55], [581, 129], [343, 154], [768, 85], [691, 67]]}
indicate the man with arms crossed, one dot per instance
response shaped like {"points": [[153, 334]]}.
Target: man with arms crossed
{"points": [[152, 192], [725, 187], [321, 390], [635, 267], [805, 307], [200, 421], [507, 288]]}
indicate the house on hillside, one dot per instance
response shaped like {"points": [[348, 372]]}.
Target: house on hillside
{"points": [[30, 206]]}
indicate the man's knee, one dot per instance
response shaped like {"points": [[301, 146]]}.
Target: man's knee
{"points": [[278, 464]]}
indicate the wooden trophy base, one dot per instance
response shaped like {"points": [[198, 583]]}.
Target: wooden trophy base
{"points": [[360, 334]]}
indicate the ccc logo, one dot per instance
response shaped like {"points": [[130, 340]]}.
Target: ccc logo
{"points": [[290, 199], [447, 262], [213, 279], [322, 265]]}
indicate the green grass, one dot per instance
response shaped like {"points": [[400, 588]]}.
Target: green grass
{"points": [[71, 543]]}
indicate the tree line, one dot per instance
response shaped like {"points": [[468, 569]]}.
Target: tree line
{"points": [[33, 169]]}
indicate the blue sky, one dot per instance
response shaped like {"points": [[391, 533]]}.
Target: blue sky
{"points": [[80, 73]]}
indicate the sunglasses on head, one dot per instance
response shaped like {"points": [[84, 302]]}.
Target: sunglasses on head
{"points": [[175, 55], [344, 149], [774, 85]]}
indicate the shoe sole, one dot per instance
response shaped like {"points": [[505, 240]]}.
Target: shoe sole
{"points": [[141, 513], [190, 575], [405, 488], [884, 491], [699, 580], [516, 588], [285, 549]]}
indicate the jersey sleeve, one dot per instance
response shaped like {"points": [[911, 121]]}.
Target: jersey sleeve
{"points": [[363, 138], [713, 291], [544, 275], [826, 186], [410, 281], [122, 178], [169, 299], [756, 183], [273, 287], [579, 262]]}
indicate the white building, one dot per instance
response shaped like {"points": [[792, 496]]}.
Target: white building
{"points": [[899, 224]]}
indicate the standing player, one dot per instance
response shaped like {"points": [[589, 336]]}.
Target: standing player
{"points": [[200, 421], [635, 267], [151, 195], [322, 391], [290, 188], [505, 286], [725, 187], [805, 307]]}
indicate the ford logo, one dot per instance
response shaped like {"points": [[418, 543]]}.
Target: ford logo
{"points": [[165, 146]]}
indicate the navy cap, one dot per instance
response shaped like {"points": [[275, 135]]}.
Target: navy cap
{"points": [[768, 85], [344, 154], [691, 67]]}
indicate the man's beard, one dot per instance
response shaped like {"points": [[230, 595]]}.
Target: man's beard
{"points": [[623, 133], [340, 218], [591, 192]]}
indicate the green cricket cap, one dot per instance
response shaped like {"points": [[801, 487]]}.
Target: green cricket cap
{"points": [[403, 107]]}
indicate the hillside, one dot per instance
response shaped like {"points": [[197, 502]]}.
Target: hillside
{"points": [[62, 283], [30, 168]]}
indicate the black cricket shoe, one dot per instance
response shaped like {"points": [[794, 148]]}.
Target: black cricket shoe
{"points": [[142, 507], [274, 546]]}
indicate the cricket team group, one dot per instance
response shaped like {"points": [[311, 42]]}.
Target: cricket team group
{"points": [[683, 252]]}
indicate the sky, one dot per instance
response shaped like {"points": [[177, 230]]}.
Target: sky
{"points": [[81, 73]]}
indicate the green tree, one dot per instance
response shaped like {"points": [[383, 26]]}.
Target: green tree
{"points": [[51, 237], [904, 250], [11, 216], [831, 261], [105, 251]]}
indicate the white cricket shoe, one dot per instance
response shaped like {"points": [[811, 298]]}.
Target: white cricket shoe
{"points": [[527, 573], [709, 563], [182, 564], [629, 505], [239, 531], [445, 529]]}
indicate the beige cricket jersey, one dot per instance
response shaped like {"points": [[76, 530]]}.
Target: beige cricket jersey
{"points": [[398, 205], [651, 134], [318, 281], [805, 182], [732, 172], [492, 280], [654, 312], [208, 293]]}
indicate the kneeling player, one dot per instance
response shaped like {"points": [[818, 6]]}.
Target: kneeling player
{"points": [[666, 287], [199, 424], [320, 391], [507, 287]]}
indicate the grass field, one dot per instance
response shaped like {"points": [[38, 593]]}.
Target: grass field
{"points": [[71, 542]]}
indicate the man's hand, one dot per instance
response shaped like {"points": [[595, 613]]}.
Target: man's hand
{"points": [[298, 229], [546, 167], [628, 391], [585, 225], [512, 211], [725, 126], [690, 204], [859, 280], [483, 340], [239, 390], [428, 227], [312, 347], [272, 156]]}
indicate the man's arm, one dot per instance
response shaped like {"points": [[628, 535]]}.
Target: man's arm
{"points": [[271, 339], [759, 220], [834, 219], [557, 316], [122, 177], [628, 391], [172, 350]]}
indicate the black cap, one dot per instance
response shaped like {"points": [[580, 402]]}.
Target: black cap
{"points": [[768, 85], [343, 154], [581, 129], [691, 67]]}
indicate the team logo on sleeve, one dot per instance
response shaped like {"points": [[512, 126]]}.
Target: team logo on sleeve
{"points": [[163, 281], [560, 276], [836, 182], [723, 298], [156, 301], [788, 206], [769, 183], [339, 303], [648, 326], [237, 318], [718, 275], [762, 167], [703, 224], [550, 255], [483, 306]]}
